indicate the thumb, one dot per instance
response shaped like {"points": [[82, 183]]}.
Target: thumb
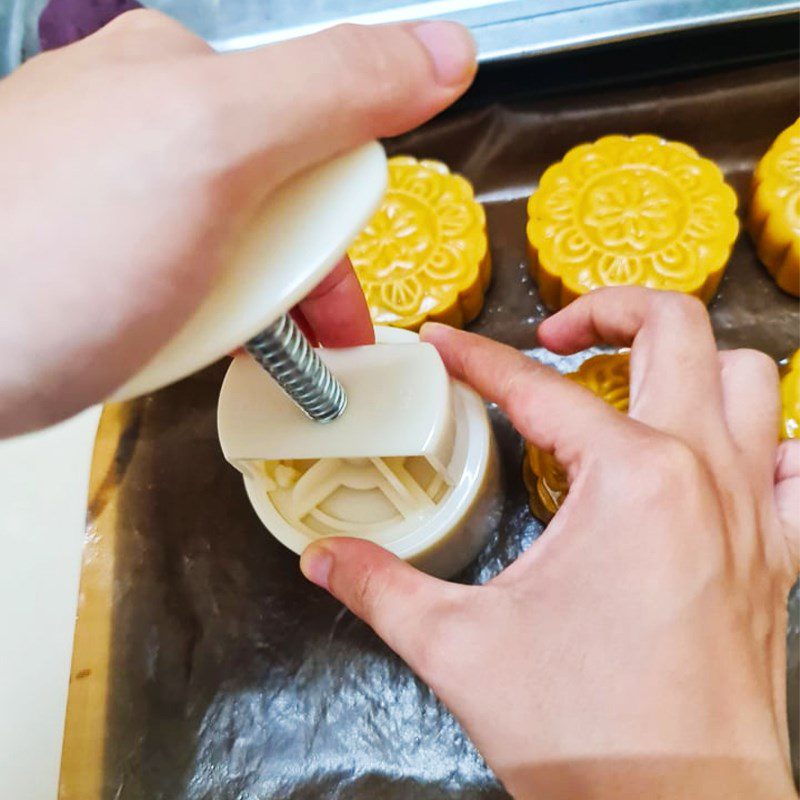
{"points": [[300, 102], [787, 497], [391, 596]]}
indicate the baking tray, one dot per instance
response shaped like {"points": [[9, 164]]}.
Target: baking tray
{"points": [[204, 665], [504, 29]]}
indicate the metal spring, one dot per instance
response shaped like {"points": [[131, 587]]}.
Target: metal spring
{"points": [[283, 351]]}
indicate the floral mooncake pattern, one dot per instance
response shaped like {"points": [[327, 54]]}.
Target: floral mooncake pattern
{"points": [[774, 215], [638, 210], [424, 255], [608, 376]]}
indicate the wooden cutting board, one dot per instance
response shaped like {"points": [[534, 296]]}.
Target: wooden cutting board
{"points": [[84, 731]]}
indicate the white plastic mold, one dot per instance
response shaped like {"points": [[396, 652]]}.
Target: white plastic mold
{"points": [[276, 263], [410, 465]]}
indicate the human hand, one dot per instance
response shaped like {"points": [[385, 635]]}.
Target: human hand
{"points": [[637, 649], [131, 158]]}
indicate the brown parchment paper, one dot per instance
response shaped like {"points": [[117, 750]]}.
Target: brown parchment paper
{"points": [[205, 666]]}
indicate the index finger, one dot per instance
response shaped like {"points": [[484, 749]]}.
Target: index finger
{"points": [[337, 310], [555, 414]]}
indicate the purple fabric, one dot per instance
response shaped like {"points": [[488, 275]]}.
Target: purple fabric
{"points": [[65, 21]]}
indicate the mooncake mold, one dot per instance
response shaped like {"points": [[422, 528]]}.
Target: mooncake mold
{"points": [[773, 218], [412, 465], [630, 210], [790, 398], [608, 376], [424, 254]]}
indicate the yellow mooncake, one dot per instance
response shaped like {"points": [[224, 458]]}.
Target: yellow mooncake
{"points": [[424, 255], [630, 210], [790, 398], [608, 376], [773, 219]]}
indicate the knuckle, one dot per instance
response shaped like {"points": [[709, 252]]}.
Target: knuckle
{"points": [[787, 462], [519, 378], [148, 31], [632, 293], [675, 459], [367, 591], [515, 392], [666, 466], [753, 362], [140, 20], [661, 471], [676, 305], [349, 38]]}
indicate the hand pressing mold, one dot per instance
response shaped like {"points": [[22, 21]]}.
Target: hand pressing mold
{"points": [[411, 465]]}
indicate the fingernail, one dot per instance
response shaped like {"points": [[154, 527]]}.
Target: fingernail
{"points": [[315, 564], [451, 48]]}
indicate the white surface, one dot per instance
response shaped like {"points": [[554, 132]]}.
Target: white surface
{"points": [[43, 492], [398, 404], [292, 243]]}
